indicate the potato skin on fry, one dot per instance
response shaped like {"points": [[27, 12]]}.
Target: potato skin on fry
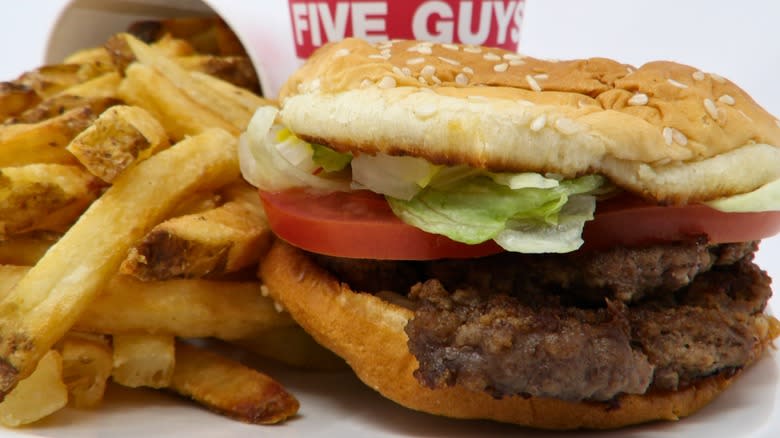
{"points": [[230, 388]]}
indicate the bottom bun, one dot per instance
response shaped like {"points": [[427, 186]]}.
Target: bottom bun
{"points": [[368, 333]]}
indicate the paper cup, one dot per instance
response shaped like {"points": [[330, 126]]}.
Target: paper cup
{"points": [[279, 35]]}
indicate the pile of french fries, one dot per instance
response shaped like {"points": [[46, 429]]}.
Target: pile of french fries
{"points": [[126, 229]]}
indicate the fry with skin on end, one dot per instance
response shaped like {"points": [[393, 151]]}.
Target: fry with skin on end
{"points": [[43, 197], [56, 105], [121, 136], [143, 360], [86, 367], [45, 141], [225, 239], [48, 300], [236, 70], [230, 388]]}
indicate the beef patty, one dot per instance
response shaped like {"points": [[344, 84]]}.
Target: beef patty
{"points": [[580, 326]]}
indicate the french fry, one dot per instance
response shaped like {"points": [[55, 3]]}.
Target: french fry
{"points": [[86, 367], [226, 310], [48, 300], [237, 95], [43, 142], [43, 197], [122, 55], [15, 99], [106, 86], [37, 396], [52, 79], [293, 346], [89, 56], [121, 136], [143, 360], [237, 70], [218, 241], [201, 93], [56, 105], [145, 87], [208, 35], [24, 250], [230, 388]]}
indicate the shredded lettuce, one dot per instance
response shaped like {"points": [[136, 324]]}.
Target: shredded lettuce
{"points": [[328, 159], [528, 219], [765, 198]]}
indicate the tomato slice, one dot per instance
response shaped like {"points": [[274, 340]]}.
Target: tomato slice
{"points": [[357, 224], [629, 221], [361, 224]]}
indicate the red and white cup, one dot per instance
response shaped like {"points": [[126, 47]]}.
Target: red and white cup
{"points": [[279, 35]]}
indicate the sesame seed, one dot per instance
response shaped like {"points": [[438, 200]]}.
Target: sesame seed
{"points": [[468, 70], [727, 99], [341, 53], [263, 290], [425, 50], [679, 137], [278, 306], [676, 84], [698, 75], [406, 71], [448, 60], [428, 70], [387, 82], [717, 78], [365, 83], [541, 76], [668, 135], [314, 85], [532, 83], [538, 123], [422, 80], [379, 56], [567, 126], [385, 45], [461, 79], [385, 52], [500, 68], [638, 99], [491, 57], [712, 110], [397, 71], [516, 62], [450, 46], [472, 49], [436, 79], [414, 61], [512, 56], [425, 44]]}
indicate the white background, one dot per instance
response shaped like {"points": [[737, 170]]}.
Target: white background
{"points": [[737, 39]]}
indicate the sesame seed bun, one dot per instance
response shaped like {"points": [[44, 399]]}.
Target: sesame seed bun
{"points": [[665, 131], [368, 333]]}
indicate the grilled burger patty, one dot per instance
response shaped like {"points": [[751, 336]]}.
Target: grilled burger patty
{"points": [[583, 326]]}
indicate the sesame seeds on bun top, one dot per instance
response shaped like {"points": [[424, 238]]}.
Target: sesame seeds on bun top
{"points": [[664, 130]]}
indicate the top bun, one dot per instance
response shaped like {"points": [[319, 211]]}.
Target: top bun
{"points": [[665, 131]]}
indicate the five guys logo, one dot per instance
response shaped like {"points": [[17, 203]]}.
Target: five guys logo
{"points": [[480, 22]]}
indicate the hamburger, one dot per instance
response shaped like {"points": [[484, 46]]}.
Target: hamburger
{"points": [[556, 244]]}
